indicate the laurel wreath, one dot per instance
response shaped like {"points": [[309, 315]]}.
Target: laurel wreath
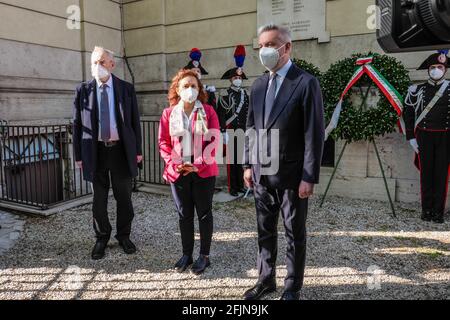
{"points": [[359, 123]]}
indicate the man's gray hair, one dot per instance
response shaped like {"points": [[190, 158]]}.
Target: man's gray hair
{"points": [[109, 53], [284, 33]]}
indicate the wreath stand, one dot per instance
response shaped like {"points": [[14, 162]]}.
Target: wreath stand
{"points": [[372, 139], [382, 172]]}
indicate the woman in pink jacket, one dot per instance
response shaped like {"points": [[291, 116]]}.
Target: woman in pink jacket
{"points": [[188, 138]]}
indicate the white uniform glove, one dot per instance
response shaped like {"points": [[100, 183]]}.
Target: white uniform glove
{"points": [[225, 137], [414, 145], [211, 88]]}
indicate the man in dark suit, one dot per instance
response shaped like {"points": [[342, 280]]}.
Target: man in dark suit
{"points": [[286, 101], [107, 146]]}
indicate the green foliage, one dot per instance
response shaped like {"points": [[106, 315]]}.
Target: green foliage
{"points": [[308, 67]]}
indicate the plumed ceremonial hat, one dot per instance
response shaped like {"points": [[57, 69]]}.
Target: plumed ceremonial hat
{"points": [[239, 58], [195, 55]]}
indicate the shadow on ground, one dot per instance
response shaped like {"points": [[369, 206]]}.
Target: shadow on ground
{"points": [[356, 250]]}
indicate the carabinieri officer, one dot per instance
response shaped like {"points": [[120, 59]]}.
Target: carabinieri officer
{"points": [[232, 109], [427, 116]]}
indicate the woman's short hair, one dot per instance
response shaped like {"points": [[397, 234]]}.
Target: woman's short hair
{"points": [[173, 96]]}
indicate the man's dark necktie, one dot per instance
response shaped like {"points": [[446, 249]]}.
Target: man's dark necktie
{"points": [[270, 98], [104, 114]]}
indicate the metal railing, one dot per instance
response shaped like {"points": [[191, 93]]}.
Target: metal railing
{"points": [[153, 165], [37, 168]]}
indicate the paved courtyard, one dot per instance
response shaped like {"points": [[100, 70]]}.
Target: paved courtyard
{"points": [[10, 228], [356, 250]]}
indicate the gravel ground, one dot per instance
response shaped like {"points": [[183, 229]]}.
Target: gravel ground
{"points": [[356, 250]]}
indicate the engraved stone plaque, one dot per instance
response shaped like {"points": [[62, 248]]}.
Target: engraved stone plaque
{"points": [[305, 18]]}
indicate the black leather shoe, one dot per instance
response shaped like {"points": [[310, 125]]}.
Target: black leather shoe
{"points": [[127, 246], [290, 295], [98, 252], [260, 290], [234, 193], [200, 264], [438, 218], [183, 263], [426, 216]]}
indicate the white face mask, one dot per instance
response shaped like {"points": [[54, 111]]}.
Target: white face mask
{"points": [[99, 72], [237, 83], [189, 95], [436, 74], [269, 57]]}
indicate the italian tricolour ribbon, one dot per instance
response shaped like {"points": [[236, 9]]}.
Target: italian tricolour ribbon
{"points": [[393, 96]]}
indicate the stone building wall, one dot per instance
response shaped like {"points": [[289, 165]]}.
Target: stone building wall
{"points": [[42, 60]]}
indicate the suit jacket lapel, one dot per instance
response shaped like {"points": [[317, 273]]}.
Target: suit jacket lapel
{"points": [[259, 100], [93, 105], [118, 98], [291, 81]]}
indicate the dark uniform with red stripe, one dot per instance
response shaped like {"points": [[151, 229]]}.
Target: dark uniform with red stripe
{"points": [[234, 105], [227, 106], [432, 134]]}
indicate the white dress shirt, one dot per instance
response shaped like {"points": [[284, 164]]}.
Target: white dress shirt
{"points": [[187, 137], [114, 135]]}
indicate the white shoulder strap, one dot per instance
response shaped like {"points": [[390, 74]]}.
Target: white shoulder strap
{"points": [[433, 102]]}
